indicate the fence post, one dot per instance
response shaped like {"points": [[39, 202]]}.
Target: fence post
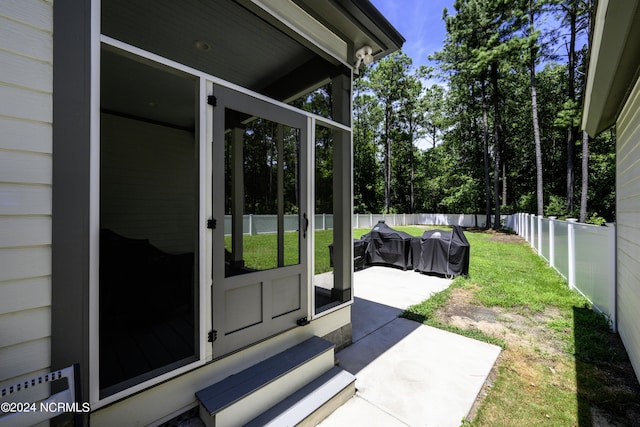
{"points": [[250, 224], [552, 241], [539, 234], [613, 294], [324, 221], [572, 252], [371, 220], [525, 223], [533, 232], [357, 221]]}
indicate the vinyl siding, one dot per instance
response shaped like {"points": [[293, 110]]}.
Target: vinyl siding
{"points": [[628, 226], [26, 76]]}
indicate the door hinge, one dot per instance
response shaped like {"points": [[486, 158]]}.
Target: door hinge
{"points": [[212, 100], [212, 336], [302, 321], [211, 223]]}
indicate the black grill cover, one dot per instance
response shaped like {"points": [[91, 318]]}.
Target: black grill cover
{"points": [[388, 247], [443, 252], [359, 254]]}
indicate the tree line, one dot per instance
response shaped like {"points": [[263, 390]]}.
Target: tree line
{"points": [[499, 132]]}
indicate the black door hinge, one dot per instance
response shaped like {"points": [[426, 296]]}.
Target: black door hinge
{"points": [[212, 100], [302, 321], [212, 336], [211, 223]]}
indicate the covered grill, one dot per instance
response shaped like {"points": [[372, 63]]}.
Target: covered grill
{"points": [[442, 252], [388, 247]]}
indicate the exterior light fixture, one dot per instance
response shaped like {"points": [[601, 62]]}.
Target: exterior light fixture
{"points": [[363, 55], [202, 45]]}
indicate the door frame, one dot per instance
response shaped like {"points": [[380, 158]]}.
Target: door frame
{"points": [[205, 136], [228, 341], [203, 353]]}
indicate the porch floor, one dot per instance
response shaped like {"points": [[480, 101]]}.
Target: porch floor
{"points": [[407, 373]]}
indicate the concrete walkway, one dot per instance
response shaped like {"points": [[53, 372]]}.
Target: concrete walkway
{"points": [[408, 374]]}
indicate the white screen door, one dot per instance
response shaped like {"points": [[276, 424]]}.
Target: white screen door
{"points": [[260, 241]]}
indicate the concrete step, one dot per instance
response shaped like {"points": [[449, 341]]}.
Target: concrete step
{"points": [[312, 403], [245, 395]]}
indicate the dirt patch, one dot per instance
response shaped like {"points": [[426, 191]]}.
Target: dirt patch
{"points": [[499, 235], [514, 329], [534, 353]]}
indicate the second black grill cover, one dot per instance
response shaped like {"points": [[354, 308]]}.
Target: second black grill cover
{"points": [[443, 252]]}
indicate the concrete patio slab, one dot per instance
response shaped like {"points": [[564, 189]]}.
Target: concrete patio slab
{"points": [[382, 294], [407, 373], [396, 288]]}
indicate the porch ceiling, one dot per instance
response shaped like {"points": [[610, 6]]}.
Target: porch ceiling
{"points": [[242, 48], [236, 40], [219, 37]]}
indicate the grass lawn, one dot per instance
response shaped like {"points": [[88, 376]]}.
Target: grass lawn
{"points": [[259, 251], [560, 364]]}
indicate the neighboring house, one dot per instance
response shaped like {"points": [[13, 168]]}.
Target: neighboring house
{"points": [[129, 129], [613, 97]]}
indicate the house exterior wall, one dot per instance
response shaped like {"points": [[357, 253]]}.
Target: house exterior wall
{"points": [[26, 115], [628, 212]]}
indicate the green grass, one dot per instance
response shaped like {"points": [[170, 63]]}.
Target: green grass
{"points": [[513, 277], [323, 238], [535, 384], [260, 251]]}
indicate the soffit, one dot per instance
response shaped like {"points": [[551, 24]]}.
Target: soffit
{"points": [[613, 63]]}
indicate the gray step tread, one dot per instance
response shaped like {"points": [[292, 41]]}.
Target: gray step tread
{"points": [[298, 406], [223, 394]]}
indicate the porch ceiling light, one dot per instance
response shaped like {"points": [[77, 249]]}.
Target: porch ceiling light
{"points": [[202, 45], [363, 55]]}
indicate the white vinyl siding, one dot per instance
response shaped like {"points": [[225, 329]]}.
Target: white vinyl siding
{"points": [[628, 212], [26, 81]]}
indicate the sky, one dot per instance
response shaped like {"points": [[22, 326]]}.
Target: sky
{"points": [[421, 24]]}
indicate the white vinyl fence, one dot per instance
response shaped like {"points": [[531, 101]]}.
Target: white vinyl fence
{"points": [[264, 224], [584, 254]]}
